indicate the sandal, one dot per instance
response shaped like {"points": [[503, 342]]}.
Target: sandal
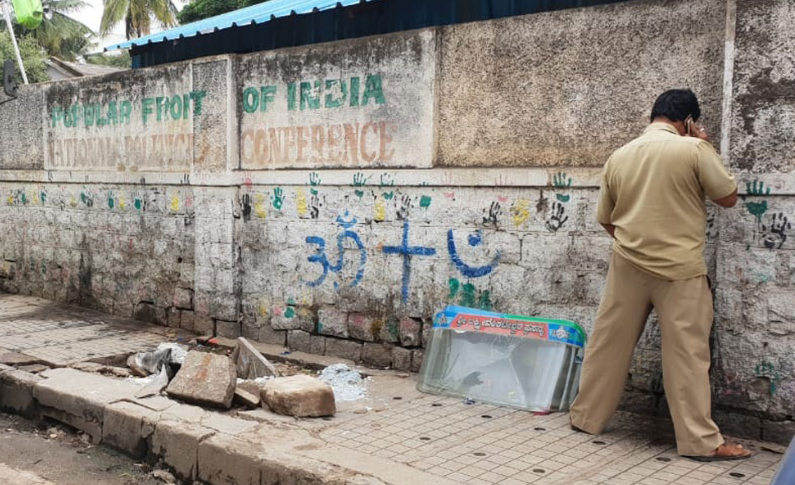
{"points": [[725, 452]]}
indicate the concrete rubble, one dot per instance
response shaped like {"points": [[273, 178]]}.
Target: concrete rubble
{"points": [[300, 396], [250, 362], [205, 379]]}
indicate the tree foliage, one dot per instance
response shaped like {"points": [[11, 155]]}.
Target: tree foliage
{"points": [[33, 56], [137, 16], [61, 35], [202, 9]]}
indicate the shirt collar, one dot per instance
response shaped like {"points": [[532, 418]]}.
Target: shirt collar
{"points": [[661, 126]]}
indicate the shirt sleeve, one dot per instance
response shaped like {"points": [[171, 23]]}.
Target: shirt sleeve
{"points": [[606, 204], [716, 181]]}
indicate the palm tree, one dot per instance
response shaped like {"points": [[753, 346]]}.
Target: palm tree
{"points": [[137, 15], [59, 34]]}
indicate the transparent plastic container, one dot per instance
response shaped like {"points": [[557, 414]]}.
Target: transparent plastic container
{"points": [[509, 360]]}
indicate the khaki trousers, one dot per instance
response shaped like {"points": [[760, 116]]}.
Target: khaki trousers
{"points": [[684, 309]]}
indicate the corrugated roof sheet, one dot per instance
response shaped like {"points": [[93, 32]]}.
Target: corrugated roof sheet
{"points": [[256, 14]]}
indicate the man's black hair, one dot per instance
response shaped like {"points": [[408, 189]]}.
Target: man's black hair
{"points": [[676, 105]]}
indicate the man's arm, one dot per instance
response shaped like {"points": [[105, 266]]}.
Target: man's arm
{"points": [[611, 229], [729, 201]]}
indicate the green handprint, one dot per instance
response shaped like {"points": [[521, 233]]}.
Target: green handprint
{"points": [[768, 370], [358, 181], [562, 181], [278, 198], [387, 180], [314, 181], [757, 209]]}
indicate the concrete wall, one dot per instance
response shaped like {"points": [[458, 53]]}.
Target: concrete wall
{"points": [[334, 197]]}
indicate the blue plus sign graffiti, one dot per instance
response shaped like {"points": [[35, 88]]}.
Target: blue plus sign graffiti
{"points": [[407, 252]]}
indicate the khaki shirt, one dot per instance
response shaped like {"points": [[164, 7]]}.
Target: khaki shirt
{"points": [[653, 191]]}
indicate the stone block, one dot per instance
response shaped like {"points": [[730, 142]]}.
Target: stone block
{"points": [[360, 327], [781, 432], [738, 425], [226, 460], [281, 322], [187, 320], [377, 355], [268, 335], [79, 398], [173, 317], [401, 358], [204, 325], [127, 426], [410, 332], [426, 334], [390, 331], [299, 341], [318, 345], [183, 298], [246, 398], [300, 396], [250, 331], [250, 362], [177, 443], [16, 392], [332, 322], [416, 360], [205, 379], [227, 329], [346, 349]]}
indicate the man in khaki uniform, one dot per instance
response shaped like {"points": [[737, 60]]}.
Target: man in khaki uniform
{"points": [[652, 202]]}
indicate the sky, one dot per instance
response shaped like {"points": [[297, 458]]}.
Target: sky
{"points": [[92, 15]]}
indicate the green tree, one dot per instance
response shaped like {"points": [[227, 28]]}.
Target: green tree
{"points": [[202, 9], [33, 56], [137, 16], [61, 35]]}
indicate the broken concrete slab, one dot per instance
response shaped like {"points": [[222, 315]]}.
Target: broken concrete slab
{"points": [[102, 369], [78, 398], [227, 424], [33, 368], [16, 392], [250, 362], [17, 358], [127, 426], [177, 443], [247, 399], [299, 396], [205, 379]]}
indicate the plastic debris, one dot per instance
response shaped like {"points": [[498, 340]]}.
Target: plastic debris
{"points": [[178, 352], [143, 364], [348, 384], [156, 385]]}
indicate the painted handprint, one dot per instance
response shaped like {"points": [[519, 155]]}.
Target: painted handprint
{"points": [[557, 218], [757, 208], [404, 208], [775, 234], [495, 211], [562, 181], [359, 180], [314, 181], [278, 198]]}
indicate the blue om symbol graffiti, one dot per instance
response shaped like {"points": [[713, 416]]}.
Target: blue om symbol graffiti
{"points": [[474, 240], [321, 258]]}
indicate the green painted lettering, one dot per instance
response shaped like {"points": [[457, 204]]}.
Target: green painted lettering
{"points": [[373, 89], [310, 97], [113, 113], [125, 112], [159, 102], [57, 115], [250, 100], [331, 100], [197, 97], [291, 97], [88, 114], [185, 106], [176, 107], [267, 95], [354, 91], [146, 108]]}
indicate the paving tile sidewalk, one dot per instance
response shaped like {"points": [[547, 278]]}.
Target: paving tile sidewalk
{"points": [[399, 435]]}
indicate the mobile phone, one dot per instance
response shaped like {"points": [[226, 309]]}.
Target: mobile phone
{"points": [[689, 126]]}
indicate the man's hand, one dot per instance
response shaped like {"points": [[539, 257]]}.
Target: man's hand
{"points": [[698, 132]]}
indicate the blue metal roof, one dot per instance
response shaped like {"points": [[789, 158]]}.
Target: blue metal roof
{"points": [[256, 14]]}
